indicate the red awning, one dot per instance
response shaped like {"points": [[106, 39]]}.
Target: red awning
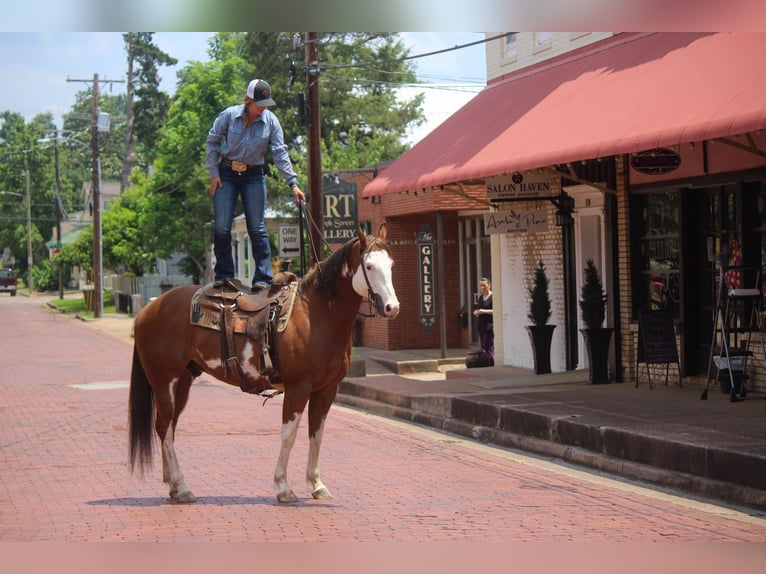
{"points": [[633, 93]]}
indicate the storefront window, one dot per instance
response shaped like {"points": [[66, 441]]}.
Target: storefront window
{"points": [[659, 247], [761, 224]]}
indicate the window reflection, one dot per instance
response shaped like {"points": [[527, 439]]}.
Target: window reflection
{"points": [[659, 252]]}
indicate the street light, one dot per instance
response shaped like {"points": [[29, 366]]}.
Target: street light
{"points": [[29, 229]]}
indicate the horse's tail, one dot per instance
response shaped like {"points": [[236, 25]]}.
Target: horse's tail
{"points": [[141, 415]]}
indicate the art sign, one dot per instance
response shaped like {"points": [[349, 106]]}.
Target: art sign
{"points": [[516, 221], [339, 213]]}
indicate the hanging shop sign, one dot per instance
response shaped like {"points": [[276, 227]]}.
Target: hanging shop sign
{"points": [[516, 221], [426, 261], [518, 186], [340, 211], [655, 161]]}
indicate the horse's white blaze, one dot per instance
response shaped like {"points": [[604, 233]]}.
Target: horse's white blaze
{"points": [[288, 434], [378, 266]]}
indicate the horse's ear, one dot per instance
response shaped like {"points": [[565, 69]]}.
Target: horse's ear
{"points": [[362, 239], [383, 231]]}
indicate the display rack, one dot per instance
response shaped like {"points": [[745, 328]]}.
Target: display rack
{"points": [[738, 315]]}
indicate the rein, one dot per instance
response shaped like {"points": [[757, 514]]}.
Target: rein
{"points": [[371, 294]]}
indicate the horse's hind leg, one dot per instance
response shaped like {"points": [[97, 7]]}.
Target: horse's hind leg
{"points": [[170, 404], [319, 406]]}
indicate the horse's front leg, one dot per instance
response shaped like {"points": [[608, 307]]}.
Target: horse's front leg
{"points": [[288, 434], [319, 406], [318, 490]]}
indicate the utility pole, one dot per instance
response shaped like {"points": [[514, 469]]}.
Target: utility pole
{"points": [[98, 283], [316, 231], [58, 208], [96, 186], [30, 262]]}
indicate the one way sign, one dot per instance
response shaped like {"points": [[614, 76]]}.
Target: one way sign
{"points": [[289, 241]]}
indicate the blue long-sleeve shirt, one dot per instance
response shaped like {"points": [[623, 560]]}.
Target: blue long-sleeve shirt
{"points": [[229, 137]]}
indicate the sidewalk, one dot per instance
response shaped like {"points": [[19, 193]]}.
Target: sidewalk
{"points": [[666, 436]]}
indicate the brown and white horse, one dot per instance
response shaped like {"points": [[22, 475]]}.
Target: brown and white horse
{"points": [[169, 352]]}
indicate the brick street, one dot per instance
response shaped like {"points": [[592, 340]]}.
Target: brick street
{"points": [[64, 474]]}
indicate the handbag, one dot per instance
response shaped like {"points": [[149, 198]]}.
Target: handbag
{"points": [[477, 359]]}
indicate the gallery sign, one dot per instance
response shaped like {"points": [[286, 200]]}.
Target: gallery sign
{"points": [[516, 221], [426, 261], [518, 186]]}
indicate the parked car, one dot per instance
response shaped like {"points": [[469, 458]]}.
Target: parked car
{"points": [[8, 281]]}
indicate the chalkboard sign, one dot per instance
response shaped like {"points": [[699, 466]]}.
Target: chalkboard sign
{"points": [[656, 338]]}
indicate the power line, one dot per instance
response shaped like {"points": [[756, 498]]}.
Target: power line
{"points": [[377, 63]]}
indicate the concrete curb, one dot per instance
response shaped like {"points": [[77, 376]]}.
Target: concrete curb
{"points": [[557, 437]]}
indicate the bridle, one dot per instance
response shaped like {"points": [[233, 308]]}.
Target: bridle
{"points": [[372, 295]]}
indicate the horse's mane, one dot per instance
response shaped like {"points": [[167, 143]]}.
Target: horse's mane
{"points": [[324, 275]]}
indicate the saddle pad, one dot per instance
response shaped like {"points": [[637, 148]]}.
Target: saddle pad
{"points": [[287, 306], [204, 313]]}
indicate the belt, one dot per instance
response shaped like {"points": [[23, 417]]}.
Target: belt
{"points": [[239, 166]]}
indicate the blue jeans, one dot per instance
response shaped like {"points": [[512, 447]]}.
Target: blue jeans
{"points": [[251, 187]]}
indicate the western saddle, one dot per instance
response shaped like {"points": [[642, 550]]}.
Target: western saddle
{"points": [[230, 308]]}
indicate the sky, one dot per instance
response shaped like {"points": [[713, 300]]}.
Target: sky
{"points": [[37, 68]]}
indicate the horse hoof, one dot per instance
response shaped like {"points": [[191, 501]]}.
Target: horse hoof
{"points": [[322, 494], [287, 497], [185, 497]]}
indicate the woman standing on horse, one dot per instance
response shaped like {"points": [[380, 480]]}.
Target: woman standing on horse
{"points": [[240, 137]]}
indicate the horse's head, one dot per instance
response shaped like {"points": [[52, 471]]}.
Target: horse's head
{"points": [[373, 277]]}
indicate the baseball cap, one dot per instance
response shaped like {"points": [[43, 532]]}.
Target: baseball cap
{"points": [[260, 92]]}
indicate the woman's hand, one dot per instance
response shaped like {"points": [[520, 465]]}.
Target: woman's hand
{"points": [[298, 194], [215, 183]]}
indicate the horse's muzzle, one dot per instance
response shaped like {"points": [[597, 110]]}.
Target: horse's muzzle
{"points": [[387, 310]]}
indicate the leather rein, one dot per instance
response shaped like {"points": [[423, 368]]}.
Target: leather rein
{"points": [[372, 295]]}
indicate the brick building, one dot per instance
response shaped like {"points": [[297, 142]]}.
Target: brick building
{"points": [[656, 140]]}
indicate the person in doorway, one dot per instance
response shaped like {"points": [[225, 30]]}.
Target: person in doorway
{"points": [[236, 144], [484, 319]]}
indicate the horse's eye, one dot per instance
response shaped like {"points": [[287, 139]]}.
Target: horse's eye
{"points": [[369, 267]]}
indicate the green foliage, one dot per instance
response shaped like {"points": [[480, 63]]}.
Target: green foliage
{"points": [[539, 300], [44, 276], [79, 306], [593, 298], [362, 123], [79, 253]]}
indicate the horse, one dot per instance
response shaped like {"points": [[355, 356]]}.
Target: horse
{"points": [[169, 353]]}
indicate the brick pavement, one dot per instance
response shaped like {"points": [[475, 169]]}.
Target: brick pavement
{"points": [[65, 477]]}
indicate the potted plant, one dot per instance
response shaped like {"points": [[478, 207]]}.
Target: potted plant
{"points": [[540, 333], [597, 338]]}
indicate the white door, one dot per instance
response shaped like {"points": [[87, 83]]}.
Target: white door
{"points": [[589, 244]]}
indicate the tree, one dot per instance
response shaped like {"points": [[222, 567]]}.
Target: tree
{"points": [[21, 153], [539, 299], [593, 298], [362, 123], [143, 123]]}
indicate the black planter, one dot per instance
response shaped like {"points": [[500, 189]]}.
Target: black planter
{"points": [[597, 341], [540, 336]]}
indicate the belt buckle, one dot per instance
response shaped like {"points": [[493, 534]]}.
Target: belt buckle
{"points": [[238, 166]]}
